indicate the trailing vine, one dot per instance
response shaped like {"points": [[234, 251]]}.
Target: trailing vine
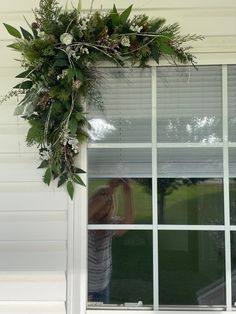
{"points": [[59, 55]]}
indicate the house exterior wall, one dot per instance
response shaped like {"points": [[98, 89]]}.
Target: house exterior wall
{"points": [[36, 221]]}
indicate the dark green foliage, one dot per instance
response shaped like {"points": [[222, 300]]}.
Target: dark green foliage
{"points": [[59, 54], [35, 134]]}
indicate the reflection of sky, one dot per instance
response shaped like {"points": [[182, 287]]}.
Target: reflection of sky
{"points": [[99, 129]]}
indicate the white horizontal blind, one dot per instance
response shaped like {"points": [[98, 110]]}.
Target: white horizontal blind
{"points": [[189, 112], [126, 95], [232, 162], [192, 162], [189, 105], [119, 162]]}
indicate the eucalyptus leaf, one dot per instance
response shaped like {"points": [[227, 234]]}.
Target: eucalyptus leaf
{"points": [[78, 180], [12, 31], [47, 176], [78, 170], [62, 179], [70, 189], [19, 110]]}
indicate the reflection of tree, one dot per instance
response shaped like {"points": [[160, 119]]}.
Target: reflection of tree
{"points": [[165, 187], [203, 129]]}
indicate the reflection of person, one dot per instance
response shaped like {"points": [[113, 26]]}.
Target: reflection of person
{"points": [[102, 208]]}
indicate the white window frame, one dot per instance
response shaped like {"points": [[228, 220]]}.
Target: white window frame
{"points": [[77, 211]]}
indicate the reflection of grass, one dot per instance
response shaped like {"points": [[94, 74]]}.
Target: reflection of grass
{"points": [[195, 204], [132, 268]]}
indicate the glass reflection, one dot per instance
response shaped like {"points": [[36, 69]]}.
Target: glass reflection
{"points": [[121, 267], [233, 262], [190, 201], [232, 102], [232, 191], [138, 199], [189, 105], [191, 268]]}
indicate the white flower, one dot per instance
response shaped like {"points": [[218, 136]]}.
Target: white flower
{"points": [[84, 50], [62, 75], [66, 38], [125, 41], [41, 34], [135, 28], [45, 154]]}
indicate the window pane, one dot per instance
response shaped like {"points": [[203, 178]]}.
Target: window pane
{"points": [[232, 191], [232, 102], [191, 162], [193, 201], [126, 115], [232, 184], [119, 162], [129, 279], [233, 262], [119, 207], [189, 104], [191, 268], [232, 162]]}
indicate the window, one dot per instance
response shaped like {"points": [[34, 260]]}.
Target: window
{"points": [[171, 134]]}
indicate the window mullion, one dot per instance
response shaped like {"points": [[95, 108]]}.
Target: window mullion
{"points": [[226, 190], [154, 191]]}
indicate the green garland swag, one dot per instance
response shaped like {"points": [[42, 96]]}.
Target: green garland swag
{"points": [[59, 55]]}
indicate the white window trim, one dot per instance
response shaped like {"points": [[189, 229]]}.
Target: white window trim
{"points": [[77, 212]]}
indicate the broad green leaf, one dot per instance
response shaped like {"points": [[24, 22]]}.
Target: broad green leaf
{"points": [[73, 125], [47, 176], [61, 60], [124, 15], [19, 110], [12, 31], [61, 63], [78, 180], [26, 34], [114, 10], [155, 53], [43, 164], [79, 6], [78, 170], [15, 46], [24, 85], [115, 17], [25, 73], [70, 189], [63, 178]]}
